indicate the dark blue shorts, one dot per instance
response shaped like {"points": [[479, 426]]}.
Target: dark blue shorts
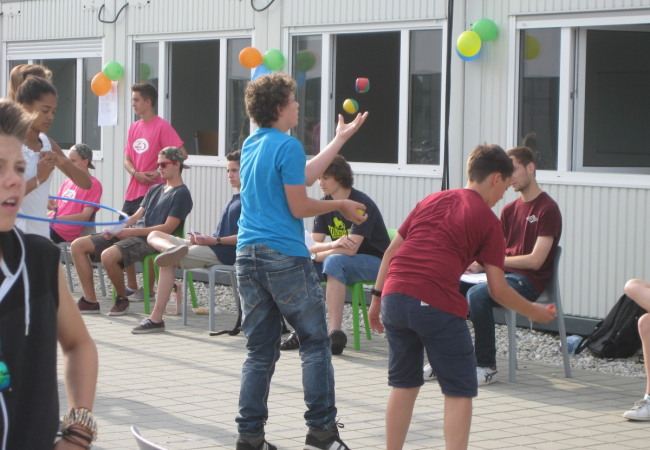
{"points": [[411, 327]]}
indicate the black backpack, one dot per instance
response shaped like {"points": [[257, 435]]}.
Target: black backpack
{"points": [[617, 336]]}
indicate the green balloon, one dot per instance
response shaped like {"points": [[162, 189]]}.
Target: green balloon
{"points": [[306, 60], [486, 29], [273, 59], [145, 71], [113, 70]]}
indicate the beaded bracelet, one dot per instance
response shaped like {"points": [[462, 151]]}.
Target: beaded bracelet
{"points": [[83, 417]]}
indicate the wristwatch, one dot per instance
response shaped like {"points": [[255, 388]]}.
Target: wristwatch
{"points": [[218, 241], [134, 172], [374, 291], [313, 256]]}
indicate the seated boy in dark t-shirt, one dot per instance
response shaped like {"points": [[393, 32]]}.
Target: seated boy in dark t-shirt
{"points": [[421, 306], [354, 253]]}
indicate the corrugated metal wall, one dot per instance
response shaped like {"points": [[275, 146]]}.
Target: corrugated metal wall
{"points": [[556, 6]]}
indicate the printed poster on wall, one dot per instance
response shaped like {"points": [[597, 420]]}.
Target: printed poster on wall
{"points": [[107, 115]]}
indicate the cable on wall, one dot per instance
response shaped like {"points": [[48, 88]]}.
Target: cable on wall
{"points": [[261, 9], [445, 169], [99, 15]]}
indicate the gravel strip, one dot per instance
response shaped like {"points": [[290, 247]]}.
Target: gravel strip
{"points": [[536, 346]]}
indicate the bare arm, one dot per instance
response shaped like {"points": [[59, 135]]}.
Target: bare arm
{"points": [[145, 178], [168, 228], [344, 131], [79, 352], [508, 297], [375, 306], [211, 240], [534, 260], [346, 245], [78, 176], [303, 206]]}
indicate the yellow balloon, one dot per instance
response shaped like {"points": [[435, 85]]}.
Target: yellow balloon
{"points": [[531, 47], [468, 43]]}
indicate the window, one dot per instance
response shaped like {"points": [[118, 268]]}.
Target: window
{"points": [[399, 80], [210, 118], [583, 96]]}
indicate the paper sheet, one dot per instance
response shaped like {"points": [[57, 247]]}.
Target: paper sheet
{"points": [[308, 240], [474, 278]]}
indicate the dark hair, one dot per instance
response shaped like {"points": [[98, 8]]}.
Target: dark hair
{"points": [[523, 155], [147, 92], [234, 156], [14, 120], [21, 72], [488, 159], [265, 95], [341, 171], [33, 89]]}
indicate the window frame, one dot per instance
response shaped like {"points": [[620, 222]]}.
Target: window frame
{"points": [[164, 104], [32, 56], [328, 33], [571, 101]]}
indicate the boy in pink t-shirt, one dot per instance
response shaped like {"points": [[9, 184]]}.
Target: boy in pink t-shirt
{"points": [[421, 306], [81, 156], [147, 137]]}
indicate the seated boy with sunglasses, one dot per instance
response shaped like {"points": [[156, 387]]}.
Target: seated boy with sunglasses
{"points": [[163, 209]]}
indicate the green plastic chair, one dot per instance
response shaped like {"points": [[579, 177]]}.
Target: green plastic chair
{"points": [[179, 232], [359, 298]]}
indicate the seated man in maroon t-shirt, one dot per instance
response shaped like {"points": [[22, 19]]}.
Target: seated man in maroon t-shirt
{"points": [[532, 226], [421, 306]]}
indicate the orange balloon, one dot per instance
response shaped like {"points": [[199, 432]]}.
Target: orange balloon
{"points": [[250, 57], [101, 84]]}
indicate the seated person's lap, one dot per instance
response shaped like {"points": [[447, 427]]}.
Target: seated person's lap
{"points": [[132, 249], [349, 269], [198, 256], [412, 327]]}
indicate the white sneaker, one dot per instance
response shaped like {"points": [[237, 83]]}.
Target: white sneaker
{"points": [[640, 411], [429, 374], [139, 296], [486, 375]]}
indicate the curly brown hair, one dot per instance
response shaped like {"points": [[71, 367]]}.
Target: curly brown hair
{"points": [[265, 95], [341, 171]]}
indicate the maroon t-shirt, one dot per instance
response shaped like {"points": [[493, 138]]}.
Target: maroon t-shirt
{"points": [[522, 223], [444, 234]]}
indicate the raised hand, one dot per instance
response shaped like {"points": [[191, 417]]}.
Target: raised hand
{"points": [[346, 130]]}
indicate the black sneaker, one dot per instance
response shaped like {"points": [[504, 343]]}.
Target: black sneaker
{"points": [[330, 441], [149, 326], [292, 342], [86, 307], [339, 339], [243, 444]]}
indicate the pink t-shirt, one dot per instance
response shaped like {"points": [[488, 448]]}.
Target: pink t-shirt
{"points": [[443, 234], [143, 145], [71, 190]]}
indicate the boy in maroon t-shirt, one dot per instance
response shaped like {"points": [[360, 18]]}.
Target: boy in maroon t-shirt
{"points": [[421, 306]]}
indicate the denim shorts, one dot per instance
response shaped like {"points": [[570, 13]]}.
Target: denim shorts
{"points": [[411, 327], [349, 269]]}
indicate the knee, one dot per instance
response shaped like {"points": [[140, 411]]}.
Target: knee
{"points": [[111, 256], [156, 235], [644, 328], [632, 287], [478, 297], [333, 263], [82, 246]]}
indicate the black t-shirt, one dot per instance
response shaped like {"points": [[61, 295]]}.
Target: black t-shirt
{"points": [[228, 227], [158, 205], [32, 402], [375, 236]]}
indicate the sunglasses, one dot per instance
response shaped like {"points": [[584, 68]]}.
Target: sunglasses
{"points": [[164, 164]]}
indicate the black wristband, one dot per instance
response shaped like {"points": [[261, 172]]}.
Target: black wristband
{"points": [[374, 291]]}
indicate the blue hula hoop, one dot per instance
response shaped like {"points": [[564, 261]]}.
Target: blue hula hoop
{"points": [[124, 215]]}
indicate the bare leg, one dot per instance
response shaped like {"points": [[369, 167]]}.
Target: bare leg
{"points": [[132, 281], [639, 291], [80, 249], [160, 241], [458, 420], [335, 297], [165, 286], [398, 415], [111, 259]]}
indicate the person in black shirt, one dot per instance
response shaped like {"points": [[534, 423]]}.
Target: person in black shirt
{"points": [[354, 253]]}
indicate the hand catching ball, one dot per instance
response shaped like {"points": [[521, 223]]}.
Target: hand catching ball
{"points": [[350, 106]]}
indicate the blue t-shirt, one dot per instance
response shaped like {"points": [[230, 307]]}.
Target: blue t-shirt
{"points": [[270, 160], [227, 227]]}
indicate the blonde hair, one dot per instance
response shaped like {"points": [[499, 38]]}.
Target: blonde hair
{"points": [[14, 120], [22, 72]]}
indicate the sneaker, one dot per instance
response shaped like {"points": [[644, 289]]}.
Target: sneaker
{"points": [[149, 326], [640, 411], [292, 342], [429, 374], [139, 296], [120, 307], [244, 444], [86, 307], [339, 339], [328, 440], [171, 256], [129, 291], [486, 375]]}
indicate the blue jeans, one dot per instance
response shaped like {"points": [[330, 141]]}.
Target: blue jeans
{"points": [[272, 285], [482, 316]]}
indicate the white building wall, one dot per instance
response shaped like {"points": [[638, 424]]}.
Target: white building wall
{"points": [[564, 6]]}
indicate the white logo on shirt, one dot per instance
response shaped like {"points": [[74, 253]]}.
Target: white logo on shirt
{"points": [[141, 145], [532, 219], [70, 193]]}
